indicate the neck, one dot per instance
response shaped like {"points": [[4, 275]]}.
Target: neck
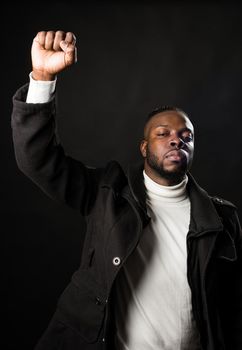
{"points": [[165, 194]]}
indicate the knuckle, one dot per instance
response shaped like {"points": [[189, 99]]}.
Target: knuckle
{"points": [[60, 33], [50, 33]]}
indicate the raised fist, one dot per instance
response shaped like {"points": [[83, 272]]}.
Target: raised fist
{"points": [[51, 53]]}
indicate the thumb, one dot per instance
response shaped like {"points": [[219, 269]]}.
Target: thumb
{"points": [[70, 52]]}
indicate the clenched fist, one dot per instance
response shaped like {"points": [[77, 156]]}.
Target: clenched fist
{"points": [[52, 52]]}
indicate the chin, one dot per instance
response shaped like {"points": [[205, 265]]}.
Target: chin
{"points": [[175, 169], [175, 175]]}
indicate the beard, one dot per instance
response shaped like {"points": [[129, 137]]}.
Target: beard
{"points": [[174, 176]]}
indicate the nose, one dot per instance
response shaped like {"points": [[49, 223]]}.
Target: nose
{"points": [[176, 142]]}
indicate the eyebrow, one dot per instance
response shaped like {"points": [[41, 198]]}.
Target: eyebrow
{"points": [[167, 126], [157, 126], [186, 129]]}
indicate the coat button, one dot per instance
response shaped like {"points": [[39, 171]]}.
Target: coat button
{"points": [[116, 261], [97, 301]]}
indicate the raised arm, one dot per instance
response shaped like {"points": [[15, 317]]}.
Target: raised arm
{"points": [[38, 153]]}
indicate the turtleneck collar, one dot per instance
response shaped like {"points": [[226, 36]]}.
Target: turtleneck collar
{"points": [[170, 194]]}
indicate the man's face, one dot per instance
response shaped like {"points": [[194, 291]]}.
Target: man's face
{"points": [[168, 147]]}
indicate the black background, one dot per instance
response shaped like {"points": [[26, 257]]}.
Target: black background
{"points": [[132, 57]]}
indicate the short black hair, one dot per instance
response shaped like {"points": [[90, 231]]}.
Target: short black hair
{"points": [[164, 108]]}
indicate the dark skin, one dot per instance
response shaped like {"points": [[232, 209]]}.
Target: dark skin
{"points": [[168, 147]]}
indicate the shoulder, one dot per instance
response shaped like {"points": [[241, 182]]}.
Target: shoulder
{"points": [[218, 201], [226, 209], [228, 212]]}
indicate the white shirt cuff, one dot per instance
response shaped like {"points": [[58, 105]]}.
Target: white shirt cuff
{"points": [[40, 91]]}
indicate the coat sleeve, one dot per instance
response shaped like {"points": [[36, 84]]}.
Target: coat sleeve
{"points": [[236, 297], [232, 303], [41, 157]]}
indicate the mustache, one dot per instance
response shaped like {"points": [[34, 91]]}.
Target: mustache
{"points": [[176, 152]]}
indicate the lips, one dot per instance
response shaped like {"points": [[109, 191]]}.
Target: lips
{"points": [[175, 155]]}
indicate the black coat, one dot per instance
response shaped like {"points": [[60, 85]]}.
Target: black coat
{"points": [[113, 204]]}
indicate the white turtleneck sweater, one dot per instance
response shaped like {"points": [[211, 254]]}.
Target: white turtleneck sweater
{"points": [[153, 308]]}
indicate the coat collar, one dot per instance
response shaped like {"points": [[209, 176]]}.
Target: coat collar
{"points": [[204, 217]]}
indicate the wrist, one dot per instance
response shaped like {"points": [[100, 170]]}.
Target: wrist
{"points": [[40, 91], [43, 76]]}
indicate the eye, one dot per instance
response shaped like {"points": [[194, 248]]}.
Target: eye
{"points": [[187, 138], [162, 133]]}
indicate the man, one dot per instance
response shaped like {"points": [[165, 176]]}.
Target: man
{"points": [[161, 264]]}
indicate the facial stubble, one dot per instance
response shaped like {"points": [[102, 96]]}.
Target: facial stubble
{"points": [[173, 176]]}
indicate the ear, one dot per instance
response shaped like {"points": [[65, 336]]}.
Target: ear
{"points": [[143, 148]]}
